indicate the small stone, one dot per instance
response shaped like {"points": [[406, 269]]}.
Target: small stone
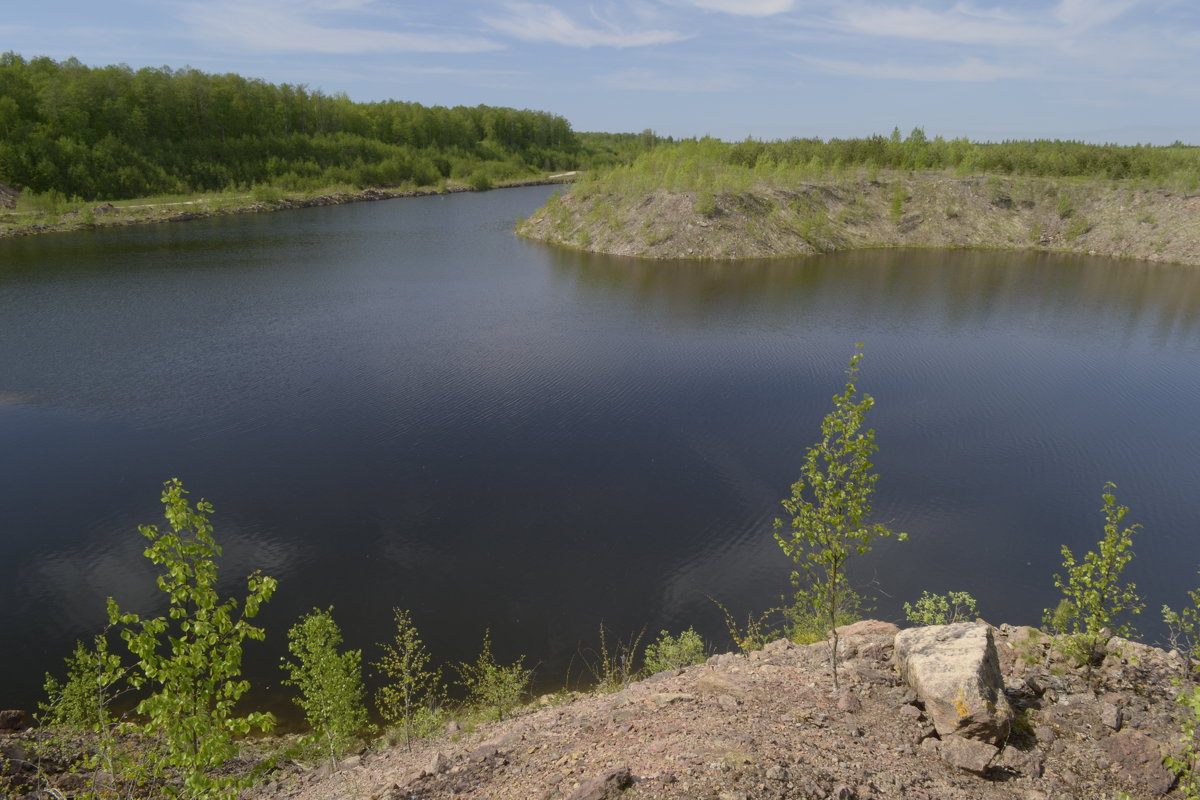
{"points": [[484, 753], [848, 702], [1111, 716], [438, 764], [669, 698], [971, 755]]}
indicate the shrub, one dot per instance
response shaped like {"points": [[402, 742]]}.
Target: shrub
{"points": [[941, 609], [805, 622], [265, 193], [1076, 228], [674, 652], [1093, 596], [480, 181], [491, 687], [706, 204], [413, 691], [755, 634], [330, 683], [613, 670], [82, 706], [1183, 632], [191, 659], [1186, 763], [896, 206]]}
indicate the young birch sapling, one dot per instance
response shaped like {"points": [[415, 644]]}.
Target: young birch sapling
{"points": [[828, 508], [190, 661], [330, 682]]}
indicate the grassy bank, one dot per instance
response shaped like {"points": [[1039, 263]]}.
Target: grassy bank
{"points": [[41, 214], [763, 219]]}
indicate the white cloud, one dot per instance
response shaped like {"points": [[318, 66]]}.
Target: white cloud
{"points": [[644, 80], [533, 22], [969, 70], [295, 27], [747, 8]]}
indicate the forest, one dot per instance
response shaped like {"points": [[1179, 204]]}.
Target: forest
{"points": [[115, 133]]}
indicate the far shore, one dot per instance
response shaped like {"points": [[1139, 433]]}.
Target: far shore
{"points": [[91, 216]]}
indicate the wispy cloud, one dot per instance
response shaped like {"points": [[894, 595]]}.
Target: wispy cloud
{"points": [[746, 8], [297, 28], [969, 70], [970, 24], [534, 22], [961, 24], [1091, 13], [645, 80]]}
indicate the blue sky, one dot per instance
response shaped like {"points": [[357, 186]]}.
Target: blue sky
{"points": [[1099, 70]]}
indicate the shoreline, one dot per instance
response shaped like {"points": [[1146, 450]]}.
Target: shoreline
{"points": [[107, 215], [892, 210]]}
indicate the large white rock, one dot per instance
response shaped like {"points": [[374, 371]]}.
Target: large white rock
{"points": [[955, 672]]}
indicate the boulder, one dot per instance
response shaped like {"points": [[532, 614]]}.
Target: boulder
{"points": [[955, 673], [8, 196]]}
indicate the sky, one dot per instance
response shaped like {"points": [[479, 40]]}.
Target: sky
{"points": [[1125, 71]]}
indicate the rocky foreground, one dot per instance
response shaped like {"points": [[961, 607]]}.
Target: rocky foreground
{"points": [[971, 711], [959, 711]]}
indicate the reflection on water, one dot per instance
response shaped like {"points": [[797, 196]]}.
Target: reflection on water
{"points": [[401, 404], [958, 288]]}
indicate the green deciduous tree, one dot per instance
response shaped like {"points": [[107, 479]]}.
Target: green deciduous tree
{"points": [[1094, 599], [413, 691], [190, 660], [828, 508], [330, 682]]}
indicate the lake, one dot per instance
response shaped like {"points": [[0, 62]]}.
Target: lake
{"points": [[402, 404]]}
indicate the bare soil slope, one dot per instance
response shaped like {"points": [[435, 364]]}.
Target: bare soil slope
{"points": [[769, 725]]}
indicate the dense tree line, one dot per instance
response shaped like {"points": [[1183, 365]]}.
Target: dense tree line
{"points": [[1043, 157], [114, 132]]}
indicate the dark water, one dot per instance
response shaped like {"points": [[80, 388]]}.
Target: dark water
{"points": [[401, 404]]}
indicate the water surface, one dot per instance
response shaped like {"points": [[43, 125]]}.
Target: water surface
{"points": [[402, 404]]}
